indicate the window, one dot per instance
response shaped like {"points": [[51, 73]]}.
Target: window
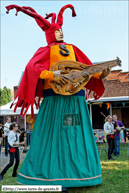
{"points": [[71, 120]]}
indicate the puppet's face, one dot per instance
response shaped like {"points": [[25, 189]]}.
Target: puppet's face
{"points": [[69, 121], [59, 35]]}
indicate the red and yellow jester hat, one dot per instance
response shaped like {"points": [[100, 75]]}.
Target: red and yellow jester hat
{"points": [[46, 26]]}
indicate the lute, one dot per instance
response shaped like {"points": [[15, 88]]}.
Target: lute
{"points": [[74, 71]]}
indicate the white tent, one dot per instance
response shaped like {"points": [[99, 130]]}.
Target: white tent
{"points": [[5, 110]]}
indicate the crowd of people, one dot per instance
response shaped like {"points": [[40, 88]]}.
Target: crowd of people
{"points": [[112, 128]]}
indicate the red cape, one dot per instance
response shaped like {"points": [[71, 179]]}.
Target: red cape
{"points": [[31, 85]]}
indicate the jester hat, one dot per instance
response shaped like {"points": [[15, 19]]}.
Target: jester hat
{"points": [[43, 23]]}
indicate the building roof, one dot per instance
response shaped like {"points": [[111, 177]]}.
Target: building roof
{"points": [[118, 74], [110, 99]]}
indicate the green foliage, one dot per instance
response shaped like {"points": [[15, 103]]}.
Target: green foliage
{"points": [[5, 96], [115, 176]]}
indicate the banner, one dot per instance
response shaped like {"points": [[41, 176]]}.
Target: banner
{"points": [[100, 136], [108, 105]]}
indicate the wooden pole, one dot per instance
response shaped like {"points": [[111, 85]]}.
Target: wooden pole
{"points": [[91, 113]]}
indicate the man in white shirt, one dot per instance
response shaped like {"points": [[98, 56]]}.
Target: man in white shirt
{"points": [[6, 133]]}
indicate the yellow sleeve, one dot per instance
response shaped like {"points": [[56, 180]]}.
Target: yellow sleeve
{"points": [[97, 75], [45, 74]]}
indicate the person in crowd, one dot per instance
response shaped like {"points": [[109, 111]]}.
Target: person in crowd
{"points": [[109, 130], [6, 132], [117, 135], [1, 137], [13, 140]]}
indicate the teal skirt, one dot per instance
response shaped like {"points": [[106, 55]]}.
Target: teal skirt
{"points": [[63, 150]]}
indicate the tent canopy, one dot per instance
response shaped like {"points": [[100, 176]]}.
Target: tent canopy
{"points": [[5, 110]]}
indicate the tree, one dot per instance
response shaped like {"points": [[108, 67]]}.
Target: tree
{"points": [[5, 96]]}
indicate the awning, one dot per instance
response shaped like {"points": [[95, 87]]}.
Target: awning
{"points": [[5, 110], [109, 99]]}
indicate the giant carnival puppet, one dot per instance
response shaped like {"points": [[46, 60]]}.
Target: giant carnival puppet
{"points": [[63, 150]]}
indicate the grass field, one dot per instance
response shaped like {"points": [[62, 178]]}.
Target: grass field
{"points": [[115, 175]]}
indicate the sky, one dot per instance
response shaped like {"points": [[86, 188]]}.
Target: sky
{"points": [[100, 30]]}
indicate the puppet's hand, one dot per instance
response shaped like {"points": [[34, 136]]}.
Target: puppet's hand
{"points": [[105, 73], [85, 74], [59, 79]]}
